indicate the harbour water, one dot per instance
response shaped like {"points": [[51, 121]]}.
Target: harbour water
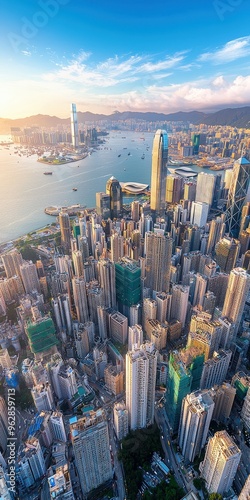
{"points": [[25, 191]]}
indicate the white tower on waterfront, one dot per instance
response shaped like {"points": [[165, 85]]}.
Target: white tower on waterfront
{"points": [[74, 126]]}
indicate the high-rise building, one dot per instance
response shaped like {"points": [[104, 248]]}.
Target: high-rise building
{"points": [[120, 420], [220, 463], [227, 250], [119, 327], [80, 299], [237, 194], [206, 334], [163, 301], [65, 229], [149, 310], [174, 188], [141, 367], [179, 303], [135, 337], [67, 382], [196, 415], [114, 190], [158, 261], [12, 262], [74, 126], [117, 247], [216, 233], [157, 332], [135, 210], [189, 190], [29, 277], [245, 412], [128, 282], [215, 369], [57, 426], [236, 295], [196, 143], [61, 308], [200, 289], [205, 188], [223, 396], [199, 213], [77, 262], [30, 463], [107, 278], [245, 492], [42, 397], [185, 369], [114, 379], [90, 440], [159, 172], [103, 205], [218, 285]]}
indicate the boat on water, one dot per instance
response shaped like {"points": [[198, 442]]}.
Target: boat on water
{"points": [[47, 173], [142, 157], [74, 189], [129, 154], [119, 156]]}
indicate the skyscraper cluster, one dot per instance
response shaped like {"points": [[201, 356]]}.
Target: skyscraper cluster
{"points": [[129, 301]]}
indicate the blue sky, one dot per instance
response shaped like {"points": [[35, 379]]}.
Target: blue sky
{"points": [[160, 56]]}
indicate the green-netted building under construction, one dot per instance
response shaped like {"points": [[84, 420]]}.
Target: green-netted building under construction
{"points": [[41, 334]]}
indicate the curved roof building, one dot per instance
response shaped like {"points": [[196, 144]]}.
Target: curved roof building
{"points": [[134, 187], [185, 172]]}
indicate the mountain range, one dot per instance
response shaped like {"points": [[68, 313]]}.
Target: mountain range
{"points": [[235, 117]]}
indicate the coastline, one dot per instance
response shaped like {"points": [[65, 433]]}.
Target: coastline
{"points": [[62, 162]]}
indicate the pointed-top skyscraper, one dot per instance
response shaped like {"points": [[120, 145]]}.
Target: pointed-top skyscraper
{"points": [[237, 195], [159, 171], [74, 126], [113, 189]]}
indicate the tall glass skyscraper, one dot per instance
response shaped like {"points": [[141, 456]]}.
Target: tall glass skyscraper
{"points": [[237, 195], [113, 189], [159, 171], [74, 126]]}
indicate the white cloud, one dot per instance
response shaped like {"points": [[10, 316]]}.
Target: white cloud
{"points": [[169, 62], [170, 98], [26, 53], [235, 49], [113, 71], [219, 81]]}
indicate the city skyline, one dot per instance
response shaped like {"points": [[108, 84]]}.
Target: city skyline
{"points": [[127, 58]]}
